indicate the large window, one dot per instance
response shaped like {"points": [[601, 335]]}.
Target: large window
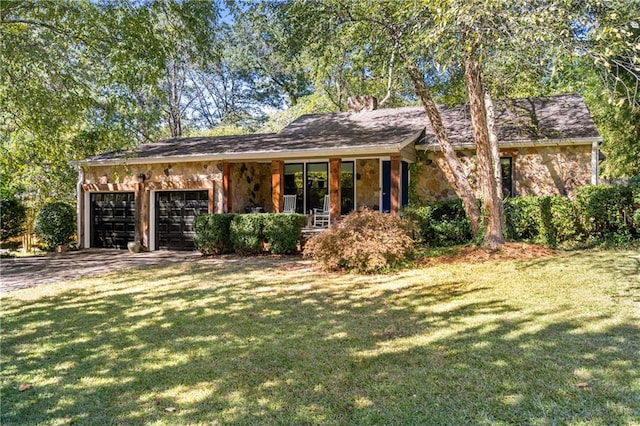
{"points": [[506, 165], [310, 182], [346, 187]]}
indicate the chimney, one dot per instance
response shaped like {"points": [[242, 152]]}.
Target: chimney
{"points": [[362, 103]]}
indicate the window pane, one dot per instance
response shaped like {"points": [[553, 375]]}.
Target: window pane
{"points": [[506, 164], [346, 189], [317, 184], [293, 183]]}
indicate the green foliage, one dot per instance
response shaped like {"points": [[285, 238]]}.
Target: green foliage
{"points": [[213, 233], [13, 214], [364, 241], [607, 211], [55, 224], [441, 223], [549, 220], [247, 233], [283, 231]]}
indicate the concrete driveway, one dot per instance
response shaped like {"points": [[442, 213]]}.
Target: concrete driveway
{"points": [[23, 272]]}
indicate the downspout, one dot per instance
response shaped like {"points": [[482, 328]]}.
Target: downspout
{"points": [[79, 207], [595, 159]]}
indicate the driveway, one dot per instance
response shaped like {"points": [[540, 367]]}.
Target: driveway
{"points": [[23, 272]]}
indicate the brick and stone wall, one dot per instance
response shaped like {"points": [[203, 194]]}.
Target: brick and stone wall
{"points": [[166, 173], [556, 170]]}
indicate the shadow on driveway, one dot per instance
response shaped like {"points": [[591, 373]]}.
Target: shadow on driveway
{"points": [[23, 272]]}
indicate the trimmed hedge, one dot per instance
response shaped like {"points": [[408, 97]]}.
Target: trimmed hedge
{"points": [[213, 233], [549, 220], [246, 233], [279, 233], [441, 223], [607, 211], [283, 231]]}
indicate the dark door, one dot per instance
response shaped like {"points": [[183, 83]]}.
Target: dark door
{"points": [[386, 186], [112, 219], [405, 183], [175, 212]]}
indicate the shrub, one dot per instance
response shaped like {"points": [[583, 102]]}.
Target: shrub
{"points": [[364, 241], [283, 231], [55, 224], [549, 220], [13, 214], [213, 233], [246, 233], [606, 211], [441, 223]]}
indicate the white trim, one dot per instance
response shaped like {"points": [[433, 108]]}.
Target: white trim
{"points": [[152, 220], [87, 219], [595, 166], [519, 144]]}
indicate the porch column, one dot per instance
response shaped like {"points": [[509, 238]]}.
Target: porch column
{"points": [[277, 185], [138, 214], [146, 217], [395, 184], [226, 187], [334, 189]]}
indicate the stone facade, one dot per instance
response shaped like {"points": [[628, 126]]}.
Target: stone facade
{"points": [[251, 184], [553, 170], [163, 174], [368, 183]]}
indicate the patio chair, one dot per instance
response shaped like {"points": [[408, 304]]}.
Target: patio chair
{"points": [[289, 203], [321, 216]]}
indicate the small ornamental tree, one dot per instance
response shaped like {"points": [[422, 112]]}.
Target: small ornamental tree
{"points": [[364, 241], [55, 224]]}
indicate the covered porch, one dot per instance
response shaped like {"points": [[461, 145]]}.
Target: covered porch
{"points": [[350, 183]]}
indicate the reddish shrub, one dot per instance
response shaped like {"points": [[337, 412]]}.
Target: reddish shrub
{"points": [[365, 242]]}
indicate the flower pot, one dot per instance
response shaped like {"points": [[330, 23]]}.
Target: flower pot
{"points": [[62, 248], [134, 246]]}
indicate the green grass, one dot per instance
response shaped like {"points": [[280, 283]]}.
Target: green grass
{"points": [[268, 341]]}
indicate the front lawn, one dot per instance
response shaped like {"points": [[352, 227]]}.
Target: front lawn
{"points": [[268, 341]]}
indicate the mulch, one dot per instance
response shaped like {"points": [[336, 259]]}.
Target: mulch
{"points": [[509, 251]]}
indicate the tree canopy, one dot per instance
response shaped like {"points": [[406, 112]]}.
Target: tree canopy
{"points": [[83, 77]]}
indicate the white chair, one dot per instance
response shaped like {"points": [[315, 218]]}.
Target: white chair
{"points": [[289, 203], [321, 217]]}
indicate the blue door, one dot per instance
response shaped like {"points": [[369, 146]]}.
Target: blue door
{"points": [[386, 186]]}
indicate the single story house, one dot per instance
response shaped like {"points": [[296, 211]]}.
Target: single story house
{"points": [[152, 193]]}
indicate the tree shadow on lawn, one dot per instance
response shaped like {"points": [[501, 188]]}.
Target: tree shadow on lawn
{"points": [[301, 352]]}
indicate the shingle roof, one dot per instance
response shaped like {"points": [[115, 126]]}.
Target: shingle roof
{"points": [[533, 119], [560, 117]]}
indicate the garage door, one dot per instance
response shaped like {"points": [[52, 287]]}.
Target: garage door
{"points": [[175, 212], [112, 219]]}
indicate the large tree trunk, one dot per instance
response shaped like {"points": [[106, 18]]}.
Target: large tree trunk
{"points": [[495, 150], [492, 206], [455, 169]]}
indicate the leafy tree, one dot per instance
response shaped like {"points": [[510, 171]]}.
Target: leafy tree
{"points": [[13, 214]]}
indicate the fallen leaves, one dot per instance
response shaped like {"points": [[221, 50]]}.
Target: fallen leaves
{"points": [[25, 387]]}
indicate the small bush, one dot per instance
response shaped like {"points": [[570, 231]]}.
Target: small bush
{"points": [[365, 241], [55, 224], [246, 233], [441, 223], [283, 231], [213, 233]]}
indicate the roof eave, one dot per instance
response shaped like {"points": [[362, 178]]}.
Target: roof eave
{"points": [[361, 150], [531, 143]]}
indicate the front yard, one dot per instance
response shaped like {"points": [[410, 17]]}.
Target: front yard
{"points": [[271, 341]]}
